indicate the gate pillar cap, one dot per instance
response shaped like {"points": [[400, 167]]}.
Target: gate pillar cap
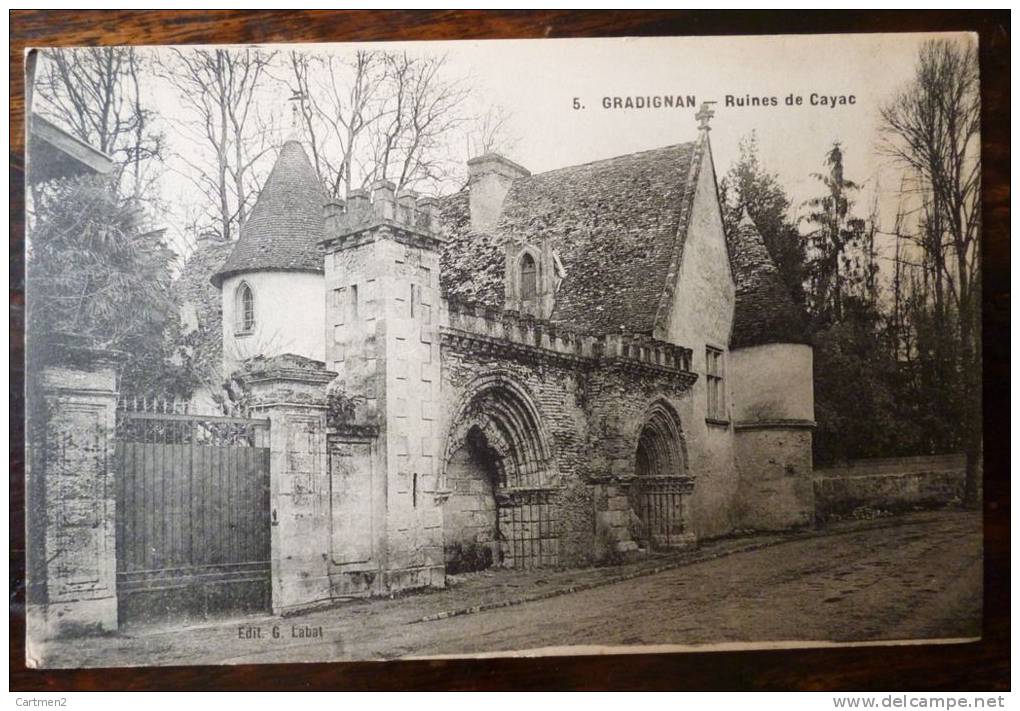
{"points": [[289, 375], [287, 366]]}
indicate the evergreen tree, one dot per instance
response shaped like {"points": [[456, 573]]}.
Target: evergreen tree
{"points": [[836, 238], [93, 273]]}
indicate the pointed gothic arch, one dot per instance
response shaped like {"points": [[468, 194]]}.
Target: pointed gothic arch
{"points": [[498, 469], [504, 414], [661, 448], [662, 485], [244, 308], [527, 268]]}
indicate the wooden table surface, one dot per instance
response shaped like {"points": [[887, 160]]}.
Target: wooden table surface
{"points": [[982, 665]]}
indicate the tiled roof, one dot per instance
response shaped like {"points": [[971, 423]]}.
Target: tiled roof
{"points": [[764, 311], [284, 228], [613, 223]]}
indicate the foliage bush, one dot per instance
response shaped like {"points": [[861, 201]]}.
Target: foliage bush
{"points": [[468, 558], [94, 273]]}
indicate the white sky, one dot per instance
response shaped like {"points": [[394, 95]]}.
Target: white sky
{"points": [[536, 80]]}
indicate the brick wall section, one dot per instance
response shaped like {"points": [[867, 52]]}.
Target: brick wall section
{"points": [[469, 515], [554, 391]]}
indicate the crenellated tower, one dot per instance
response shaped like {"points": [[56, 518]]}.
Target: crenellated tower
{"points": [[382, 302]]}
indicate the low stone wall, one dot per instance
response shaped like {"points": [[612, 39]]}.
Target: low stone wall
{"points": [[891, 484]]}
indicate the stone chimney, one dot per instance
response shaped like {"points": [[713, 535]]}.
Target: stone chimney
{"points": [[489, 179]]}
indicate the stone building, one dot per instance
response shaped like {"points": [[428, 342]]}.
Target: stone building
{"points": [[541, 370]]}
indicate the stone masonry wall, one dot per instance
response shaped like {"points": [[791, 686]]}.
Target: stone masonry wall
{"points": [[774, 466], [556, 393], [381, 313], [892, 484], [290, 391], [702, 316]]}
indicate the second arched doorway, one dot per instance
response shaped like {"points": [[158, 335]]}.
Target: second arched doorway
{"points": [[662, 481]]}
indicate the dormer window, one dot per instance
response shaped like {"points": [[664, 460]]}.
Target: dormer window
{"points": [[244, 309], [529, 277]]}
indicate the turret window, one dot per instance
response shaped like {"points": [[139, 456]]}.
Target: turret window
{"points": [[244, 309], [529, 277]]}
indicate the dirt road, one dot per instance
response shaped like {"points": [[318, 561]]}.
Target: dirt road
{"points": [[917, 577]]}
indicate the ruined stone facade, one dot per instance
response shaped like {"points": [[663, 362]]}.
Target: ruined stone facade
{"points": [[541, 370]]}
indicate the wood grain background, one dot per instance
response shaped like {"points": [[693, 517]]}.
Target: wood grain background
{"points": [[982, 665]]}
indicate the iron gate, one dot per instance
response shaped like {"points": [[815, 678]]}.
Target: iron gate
{"points": [[527, 528], [193, 529], [659, 505]]}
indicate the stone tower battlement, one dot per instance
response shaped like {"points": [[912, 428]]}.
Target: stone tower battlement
{"points": [[382, 205]]}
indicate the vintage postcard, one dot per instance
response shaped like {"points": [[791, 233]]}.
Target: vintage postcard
{"points": [[369, 351]]}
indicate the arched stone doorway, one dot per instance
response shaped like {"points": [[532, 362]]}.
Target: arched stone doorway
{"points": [[470, 519], [660, 450], [497, 470], [662, 481]]}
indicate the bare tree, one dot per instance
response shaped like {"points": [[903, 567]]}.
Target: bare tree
{"points": [[339, 101], [489, 132], [932, 128], [422, 112], [387, 115], [96, 92], [220, 90]]}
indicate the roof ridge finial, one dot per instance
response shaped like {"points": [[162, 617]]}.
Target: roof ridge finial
{"points": [[296, 99], [704, 116]]}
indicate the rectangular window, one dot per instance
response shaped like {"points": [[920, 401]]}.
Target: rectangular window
{"points": [[354, 302], [714, 384], [339, 304]]}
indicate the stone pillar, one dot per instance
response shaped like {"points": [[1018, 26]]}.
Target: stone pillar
{"points": [[291, 392], [612, 518], [72, 569]]}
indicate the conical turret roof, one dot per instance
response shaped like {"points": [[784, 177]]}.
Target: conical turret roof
{"points": [[285, 226], [764, 311]]}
